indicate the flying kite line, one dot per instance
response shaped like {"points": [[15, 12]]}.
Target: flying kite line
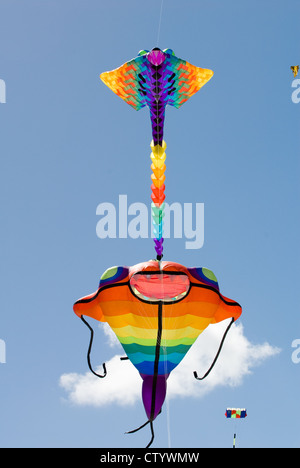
{"points": [[159, 23], [235, 413]]}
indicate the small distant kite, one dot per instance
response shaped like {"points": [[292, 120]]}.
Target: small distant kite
{"points": [[295, 70], [235, 413]]}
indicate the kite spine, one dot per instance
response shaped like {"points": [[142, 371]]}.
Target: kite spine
{"points": [[158, 157]]}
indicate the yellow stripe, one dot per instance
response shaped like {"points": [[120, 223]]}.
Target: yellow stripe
{"points": [[141, 333], [169, 323]]}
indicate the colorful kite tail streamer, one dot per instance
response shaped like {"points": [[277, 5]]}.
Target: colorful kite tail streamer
{"points": [[158, 157]]}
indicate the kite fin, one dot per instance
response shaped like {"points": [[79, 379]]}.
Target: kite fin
{"points": [[124, 82], [178, 79]]}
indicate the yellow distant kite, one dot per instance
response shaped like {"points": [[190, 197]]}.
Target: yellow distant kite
{"points": [[295, 70]]}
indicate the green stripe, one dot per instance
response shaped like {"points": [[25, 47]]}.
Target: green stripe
{"points": [[137, 348], [128, 340]]}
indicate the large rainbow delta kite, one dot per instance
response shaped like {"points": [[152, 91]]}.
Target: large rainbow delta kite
{"points": [[157, 309]]}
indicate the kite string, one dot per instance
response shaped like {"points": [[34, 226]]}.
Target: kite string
{"points": [[168, 421], [167, 395], [159, 23], [167, 398]]}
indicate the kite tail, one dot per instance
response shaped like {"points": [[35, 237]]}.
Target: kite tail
{"points": [[89, 351], [218, 353], [141, 427], [158, 157]]}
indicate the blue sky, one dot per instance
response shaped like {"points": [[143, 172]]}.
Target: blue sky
{"points": [[68, 144]]}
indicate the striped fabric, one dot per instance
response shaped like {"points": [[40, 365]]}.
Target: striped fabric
{"points": [[185, 300], [136, 82]]}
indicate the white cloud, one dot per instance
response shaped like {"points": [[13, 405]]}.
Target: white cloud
{"points": [[237, 359], [122, 385]]}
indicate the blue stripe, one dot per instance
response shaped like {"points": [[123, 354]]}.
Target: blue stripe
{"points": [[164, 367]]}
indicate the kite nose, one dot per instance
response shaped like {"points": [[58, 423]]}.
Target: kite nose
{"points": [[156, 56], [153, 393]]}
